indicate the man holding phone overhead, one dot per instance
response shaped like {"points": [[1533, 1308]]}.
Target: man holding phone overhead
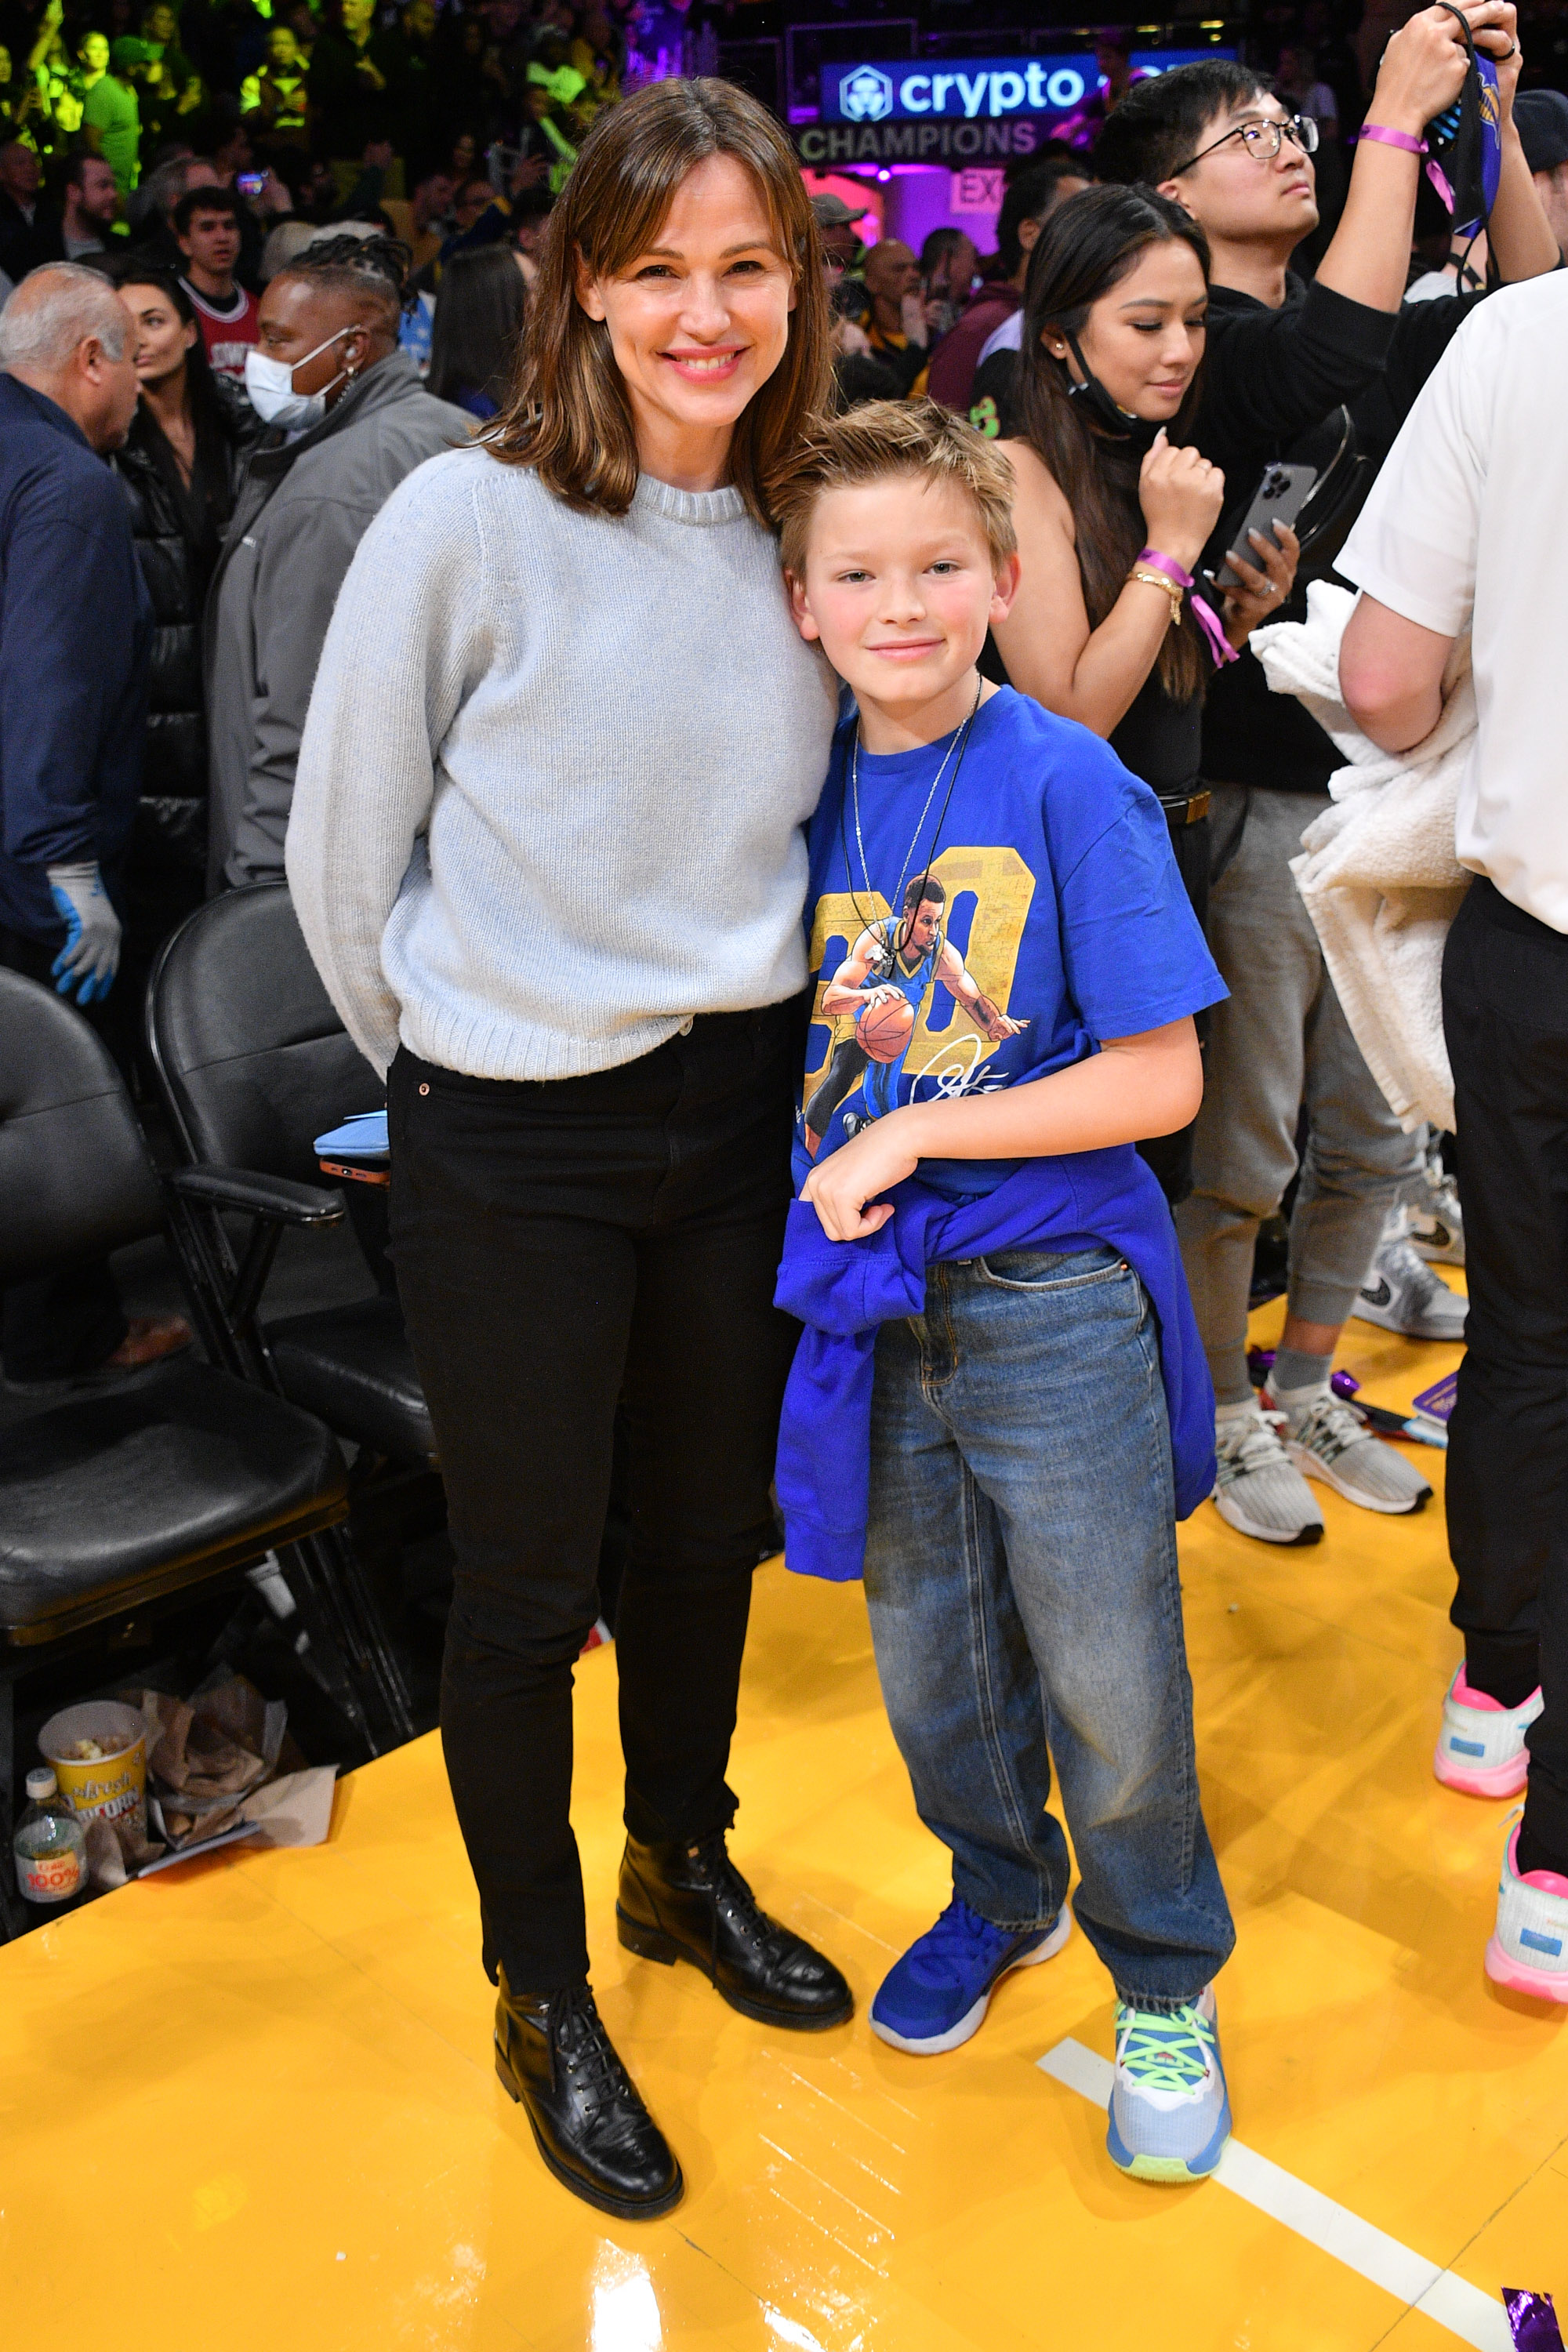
{"points": [[1282, 359]]}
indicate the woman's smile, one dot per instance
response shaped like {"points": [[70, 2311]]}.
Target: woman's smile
{"points": [[707, 367]]}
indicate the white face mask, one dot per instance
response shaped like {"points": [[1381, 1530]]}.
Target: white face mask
{"points": [[270, 386]]}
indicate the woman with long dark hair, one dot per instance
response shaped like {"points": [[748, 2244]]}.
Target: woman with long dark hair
{"points": [[479, 319], [1113, 511], [546, 849], [179, 467]]}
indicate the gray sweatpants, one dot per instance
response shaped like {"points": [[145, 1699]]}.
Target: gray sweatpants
{"points": [[1279, 1042]]}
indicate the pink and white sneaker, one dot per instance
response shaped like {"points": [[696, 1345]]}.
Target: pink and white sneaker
{"points": [[1529, 1949], [1481, 1748]]}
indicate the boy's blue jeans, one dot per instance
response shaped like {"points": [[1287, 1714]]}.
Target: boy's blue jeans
{"points": [[1021, 1578]]}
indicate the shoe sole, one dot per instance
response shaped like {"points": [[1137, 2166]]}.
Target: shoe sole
{"points": [[1486, 1780], [1169, 2171], [621, 2209], [970, 2023], [1309, 1464], [653, 1944], [1385, 1322], [1539, 1984], [1310, 1534]]}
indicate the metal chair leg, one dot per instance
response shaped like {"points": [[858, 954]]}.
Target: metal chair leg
{"points": [[333, 1643], [362, 1610], [14, 1920]]}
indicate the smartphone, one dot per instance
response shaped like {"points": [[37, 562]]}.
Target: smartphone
{"points": [[1279, 497], [251, 183]]}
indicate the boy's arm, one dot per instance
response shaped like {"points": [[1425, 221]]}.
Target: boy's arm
{"points": [[1134, 1087]]}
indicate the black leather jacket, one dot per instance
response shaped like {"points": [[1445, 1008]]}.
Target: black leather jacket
{"points": [[176, 570]]}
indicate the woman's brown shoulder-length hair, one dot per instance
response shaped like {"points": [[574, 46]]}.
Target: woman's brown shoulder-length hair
{"points": [[567, 415]]}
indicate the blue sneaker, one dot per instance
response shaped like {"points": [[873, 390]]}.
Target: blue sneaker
{"points": [[1170, 2109], [937, 1995]]}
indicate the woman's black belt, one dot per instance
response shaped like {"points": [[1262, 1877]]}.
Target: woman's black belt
{"points": [[1184, 808]]}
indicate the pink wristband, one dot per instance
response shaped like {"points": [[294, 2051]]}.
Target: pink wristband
{"points": [[1375, 131], [1168, 565], [1203, 613]]}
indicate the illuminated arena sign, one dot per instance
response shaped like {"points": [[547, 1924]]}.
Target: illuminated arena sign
{"points": [[965, 111], [974, 89]]}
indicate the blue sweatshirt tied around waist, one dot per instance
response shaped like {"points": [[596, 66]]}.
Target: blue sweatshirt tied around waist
{"points": [[843, 1291]]}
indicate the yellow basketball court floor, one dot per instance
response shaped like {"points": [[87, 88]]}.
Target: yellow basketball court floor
{"points": [[250, 2106]]}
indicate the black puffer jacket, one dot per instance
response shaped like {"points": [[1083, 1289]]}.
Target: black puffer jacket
{"points": [[177, 570]]}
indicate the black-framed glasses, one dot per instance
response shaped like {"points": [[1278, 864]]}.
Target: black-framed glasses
{"points": [[1262, 139]]}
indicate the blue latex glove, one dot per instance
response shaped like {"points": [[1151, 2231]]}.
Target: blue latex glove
{"points": [[91, 956]]}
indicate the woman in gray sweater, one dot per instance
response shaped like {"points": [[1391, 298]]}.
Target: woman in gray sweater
{"points": [[546, 847]]}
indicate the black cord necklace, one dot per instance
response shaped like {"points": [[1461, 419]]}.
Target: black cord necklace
{"points": [[868, 922]]}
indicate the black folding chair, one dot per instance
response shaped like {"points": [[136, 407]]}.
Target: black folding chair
{"points": [[254, 1064], [118, 1497]]}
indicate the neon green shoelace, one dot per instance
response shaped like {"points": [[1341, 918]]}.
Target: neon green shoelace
{"points": [[1165, 2053]]}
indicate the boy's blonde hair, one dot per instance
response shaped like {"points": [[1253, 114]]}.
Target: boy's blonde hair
{"points": [[915, 437]]}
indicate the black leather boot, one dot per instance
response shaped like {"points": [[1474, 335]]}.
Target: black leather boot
{"points": [[590, 2124], [691, 1902]]}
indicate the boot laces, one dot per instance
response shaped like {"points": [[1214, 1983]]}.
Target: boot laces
{"points": [[589, 2055], [735, 1898]]}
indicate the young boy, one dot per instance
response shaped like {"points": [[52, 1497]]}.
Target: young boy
{"points": [[1006, 971]]}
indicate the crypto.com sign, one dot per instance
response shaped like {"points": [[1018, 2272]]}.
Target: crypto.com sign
{"points": [[974, 89]]}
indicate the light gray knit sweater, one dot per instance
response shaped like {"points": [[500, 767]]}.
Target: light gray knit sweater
{"points": [[553, 785]]}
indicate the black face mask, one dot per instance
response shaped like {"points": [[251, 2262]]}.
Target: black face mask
{"points": [[1137, 431]]}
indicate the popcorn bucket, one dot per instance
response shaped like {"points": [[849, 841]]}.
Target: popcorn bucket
{"points": [[111, 1784]]}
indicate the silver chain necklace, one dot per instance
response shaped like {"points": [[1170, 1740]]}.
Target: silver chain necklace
{"points": [[956, 745]]}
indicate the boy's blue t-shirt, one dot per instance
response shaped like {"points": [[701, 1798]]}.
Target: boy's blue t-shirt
{"points": [[1053, 901]]}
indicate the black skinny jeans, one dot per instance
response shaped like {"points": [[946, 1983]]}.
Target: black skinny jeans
{"points": [[560, 1246], [1505, 1015]]}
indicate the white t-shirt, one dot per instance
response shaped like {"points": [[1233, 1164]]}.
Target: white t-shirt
{"points": [[1432, 286], [1464, 529], [1007, 337]]}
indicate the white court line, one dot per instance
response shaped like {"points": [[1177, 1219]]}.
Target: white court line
{"points": [[1475, 2318]]}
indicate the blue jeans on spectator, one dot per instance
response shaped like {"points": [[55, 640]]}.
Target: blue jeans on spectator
{"points": [[1022, 1584]]}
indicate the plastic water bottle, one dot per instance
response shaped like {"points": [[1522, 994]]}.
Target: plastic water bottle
{"points": [[51, 1844]]}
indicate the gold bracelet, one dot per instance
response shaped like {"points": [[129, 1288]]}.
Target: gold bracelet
{"points": [[1159, 580]]}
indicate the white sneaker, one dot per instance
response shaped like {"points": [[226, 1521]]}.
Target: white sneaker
{"points": [[1481, 1748], [1256, 1490], [1435, 1227], [1403, 1294], [1529, 1949], [1326, 1439]]}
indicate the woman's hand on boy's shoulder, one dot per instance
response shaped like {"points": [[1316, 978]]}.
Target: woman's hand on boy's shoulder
{"points": [[869, 1164]]}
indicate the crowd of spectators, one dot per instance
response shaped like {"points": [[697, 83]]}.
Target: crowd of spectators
{"points": [[296, 101]]}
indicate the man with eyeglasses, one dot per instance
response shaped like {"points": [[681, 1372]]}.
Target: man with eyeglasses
{"points": [[1282, 359]]}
